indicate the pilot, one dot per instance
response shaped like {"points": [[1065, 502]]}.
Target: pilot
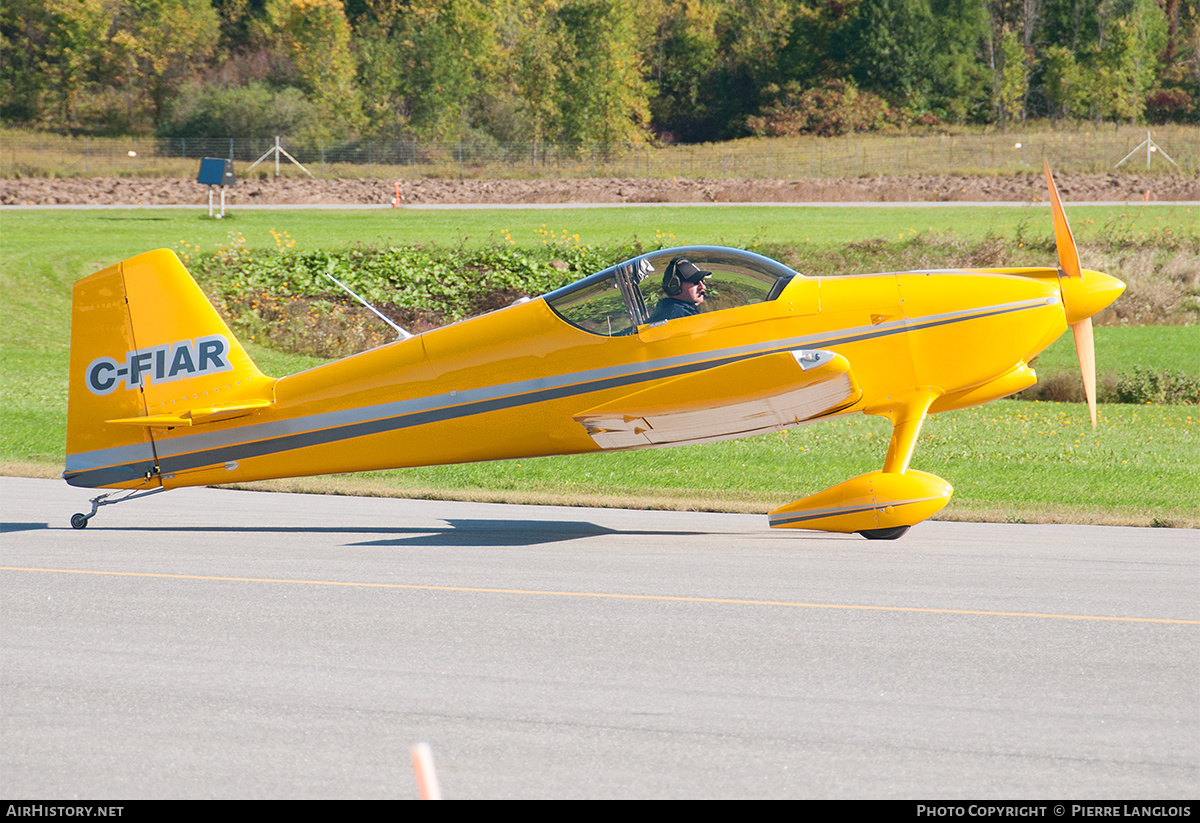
{"points": [[684, 285]]}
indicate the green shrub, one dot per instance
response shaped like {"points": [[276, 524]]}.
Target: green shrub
{"points": [[1148, 386], [285, 298], [255, 110]]}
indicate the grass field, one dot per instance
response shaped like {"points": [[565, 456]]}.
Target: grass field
{"points": [[1160, 348], [106, 236], [1009, 460], [1070, 147]]}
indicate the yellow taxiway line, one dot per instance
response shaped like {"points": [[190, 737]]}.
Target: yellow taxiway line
{"points": [[616, 596]]}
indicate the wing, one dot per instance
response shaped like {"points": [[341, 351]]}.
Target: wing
{"points": [[760, 394]]}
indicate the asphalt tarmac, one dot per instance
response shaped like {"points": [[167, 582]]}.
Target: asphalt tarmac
{"points": [[209, 643]]}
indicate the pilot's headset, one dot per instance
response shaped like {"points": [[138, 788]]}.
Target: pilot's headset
{"points": [[676, 272]]}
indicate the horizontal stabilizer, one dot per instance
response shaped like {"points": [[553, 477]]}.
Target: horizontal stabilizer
{"points": [[762, 394], [196, 417]]}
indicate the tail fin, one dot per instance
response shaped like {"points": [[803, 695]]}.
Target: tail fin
{"points": [[148, 351]]}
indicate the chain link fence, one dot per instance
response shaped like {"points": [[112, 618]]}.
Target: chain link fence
{"points": [[1161, 151]]}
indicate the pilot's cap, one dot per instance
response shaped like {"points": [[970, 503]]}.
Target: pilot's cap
{"points": [[687, 271]]}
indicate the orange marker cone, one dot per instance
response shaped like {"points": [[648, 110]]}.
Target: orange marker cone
{"points": [[427, 782]]}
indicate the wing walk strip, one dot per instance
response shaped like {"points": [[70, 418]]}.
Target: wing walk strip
{"points": [[730, 601], [207, 449]]}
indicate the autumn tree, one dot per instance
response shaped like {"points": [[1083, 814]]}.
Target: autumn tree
{"points": [[315, 37], [1012, 78], [888, 46], [448, 54], [959, 84], [1064, 83], [681, 58], [602, 92], [1126, 65], [536, 75], [160, 43]]}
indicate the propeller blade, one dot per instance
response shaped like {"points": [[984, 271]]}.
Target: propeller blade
{"points": [[1068, 267], [1068, 255], [1085, 350]]}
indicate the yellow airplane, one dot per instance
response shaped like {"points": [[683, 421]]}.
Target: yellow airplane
{"points": [[162, 395]]}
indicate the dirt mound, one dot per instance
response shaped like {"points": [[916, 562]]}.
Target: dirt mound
{"points": [[1022, 188], [432, 191]]}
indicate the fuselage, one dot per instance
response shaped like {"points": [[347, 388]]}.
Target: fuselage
{"points": [[507, 384]]}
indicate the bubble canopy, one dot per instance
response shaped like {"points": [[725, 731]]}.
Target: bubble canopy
{"points": [[617, 300]]}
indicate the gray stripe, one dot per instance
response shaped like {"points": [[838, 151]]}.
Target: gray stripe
{"points": [[785, 519]]}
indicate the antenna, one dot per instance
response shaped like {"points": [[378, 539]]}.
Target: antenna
{"points": [[278, 150], [1151, 147], [403, 335]]}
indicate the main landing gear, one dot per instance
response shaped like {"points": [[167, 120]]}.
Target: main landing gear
{"points": [[884, 534], [80, 520]]}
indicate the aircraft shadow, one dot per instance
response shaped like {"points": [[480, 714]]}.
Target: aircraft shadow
{"points": [[457, 533], [510, 533], [5, 528]]}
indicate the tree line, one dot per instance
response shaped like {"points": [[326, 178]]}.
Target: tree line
{"points": [[607, 71]]}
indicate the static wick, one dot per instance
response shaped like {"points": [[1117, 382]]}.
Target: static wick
{"points": [[427, 782]]}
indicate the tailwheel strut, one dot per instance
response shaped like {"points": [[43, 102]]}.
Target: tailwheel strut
{"points": [[80, 520]]}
